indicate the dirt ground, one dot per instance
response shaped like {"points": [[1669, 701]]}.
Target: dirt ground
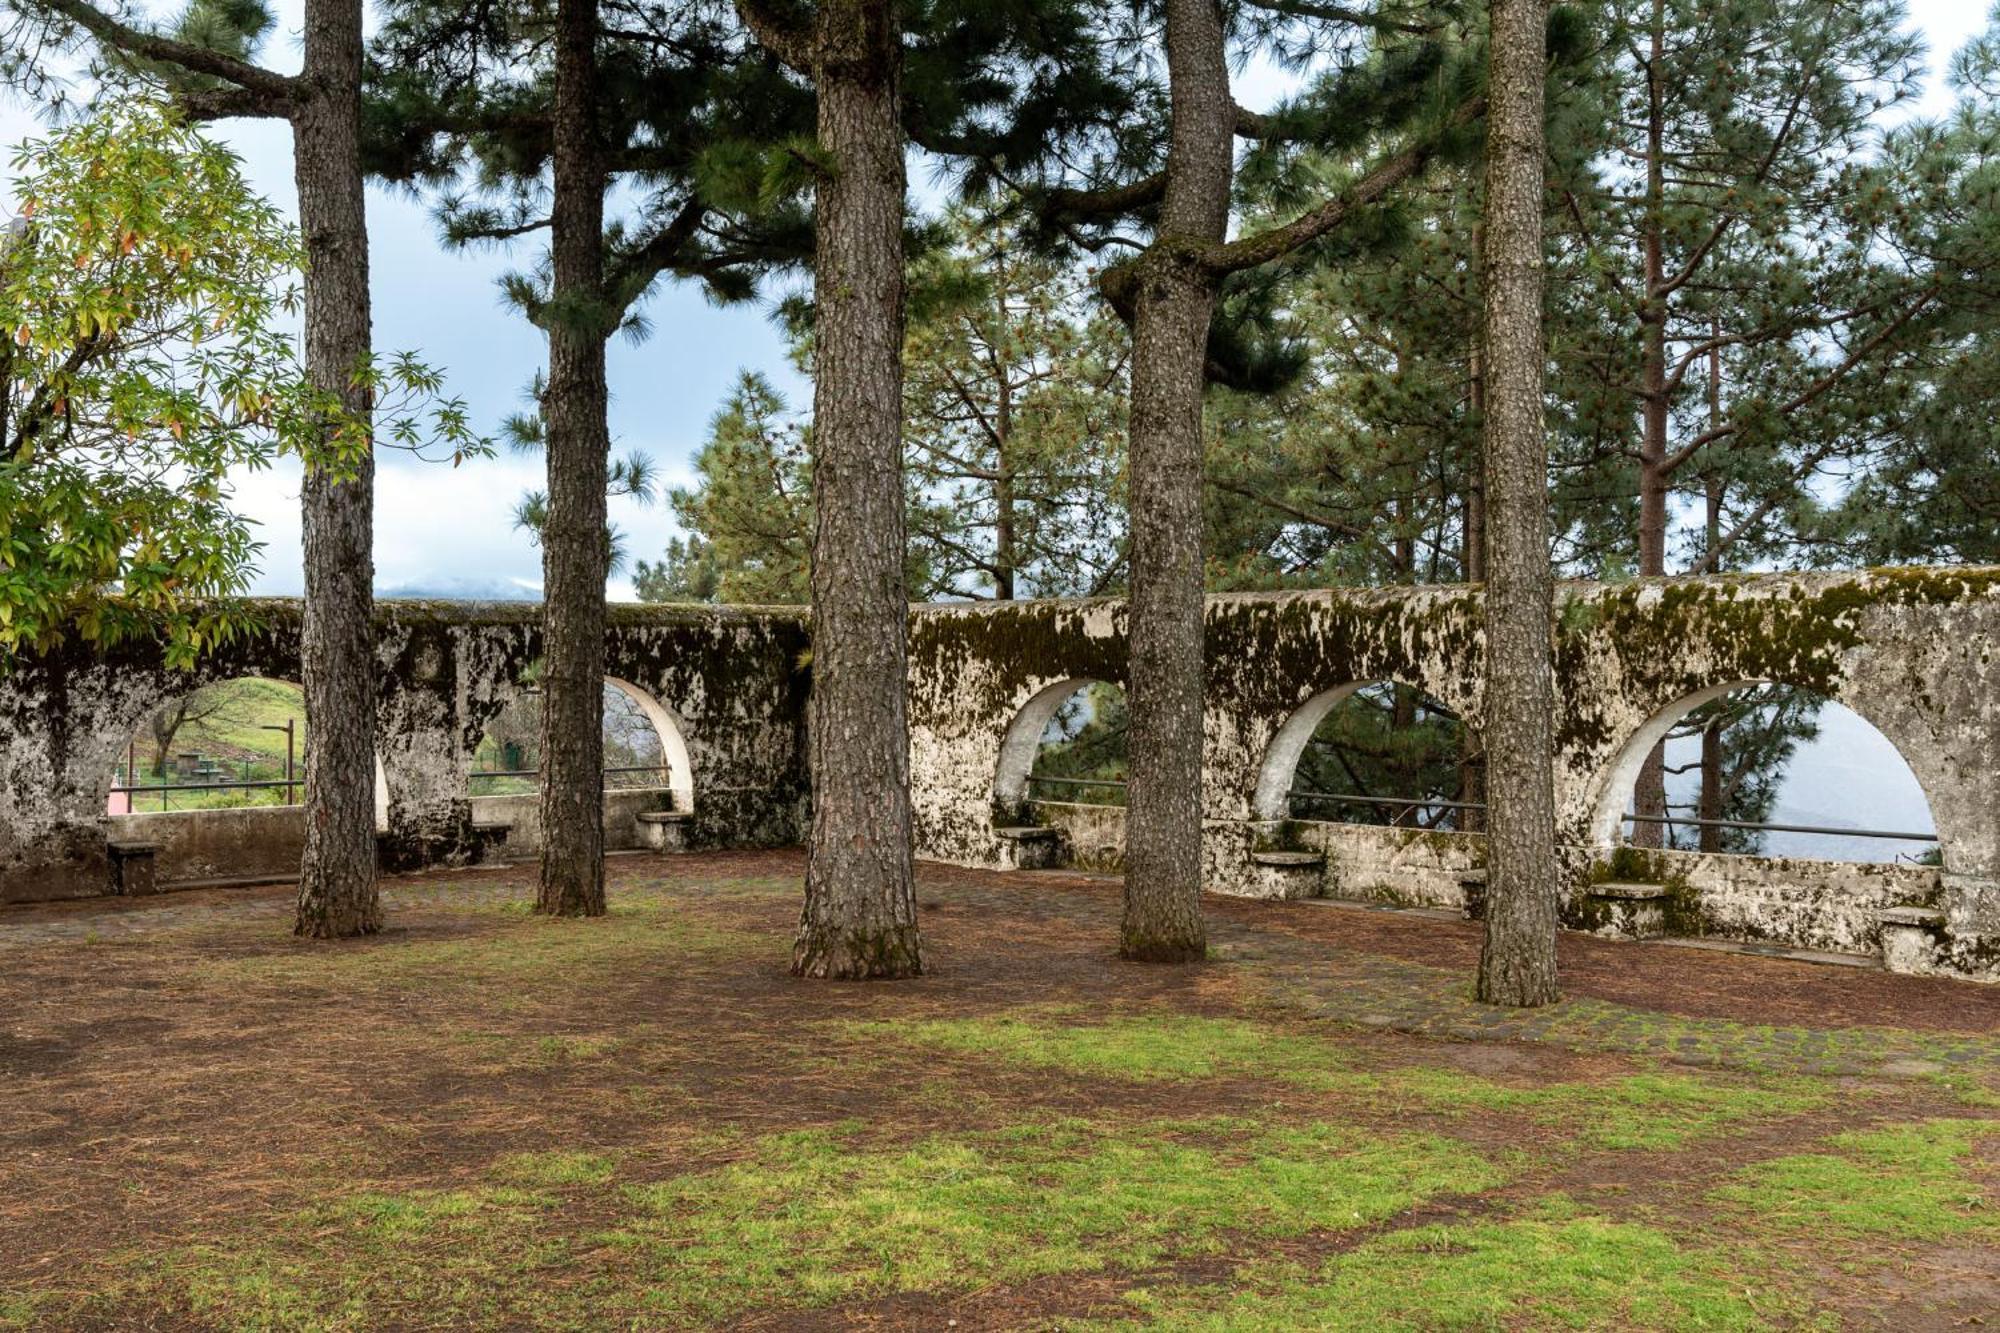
{"points": [[180, 1082]]}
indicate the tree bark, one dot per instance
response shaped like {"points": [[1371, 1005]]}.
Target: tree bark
{"points": [[860, 909], [1517, 965], [1472, 755], [1649, 798], [337, 894], [1175, 303], [575, 550]]}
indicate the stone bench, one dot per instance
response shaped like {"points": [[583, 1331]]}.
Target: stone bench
{"points": [[1472, 892], [1912, 939], [134, 867], [1628, 910], [1031, 847], [663, 830]]}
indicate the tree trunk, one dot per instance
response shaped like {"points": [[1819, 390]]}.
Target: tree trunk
{"points": [[860, 915], [575, 549], [1650, 793], [1175, 302], [337, 895], [1710, 806], [1005, 555], [1472, 757], [1517, 965]]}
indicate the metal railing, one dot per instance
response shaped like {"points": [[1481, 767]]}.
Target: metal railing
{"points": [[1673, 822], [165, 789]]}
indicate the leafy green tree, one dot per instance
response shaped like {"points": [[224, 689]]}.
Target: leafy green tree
{"points": [[145, 291]]}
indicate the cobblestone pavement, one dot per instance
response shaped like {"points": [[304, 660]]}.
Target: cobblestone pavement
{"points": [[1280, 969]]}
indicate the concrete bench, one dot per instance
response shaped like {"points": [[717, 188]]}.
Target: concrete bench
{"points": [[1030, 847], [1283, 860], [1912, 939], [1628, 910], [134, 867], [1472, 890], [663, 830]]}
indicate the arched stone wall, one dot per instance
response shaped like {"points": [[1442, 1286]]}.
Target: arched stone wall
{"points": [[734, 679], [1911, 650]]}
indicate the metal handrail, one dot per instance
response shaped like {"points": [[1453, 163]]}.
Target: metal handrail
{"points": [[1352, 798], [1671, 822]]}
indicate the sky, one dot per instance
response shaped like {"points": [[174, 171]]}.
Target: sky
{"points": [[445, 530]]}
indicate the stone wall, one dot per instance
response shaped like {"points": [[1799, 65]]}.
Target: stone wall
{"points": [[726, 686], [1912, 651]]}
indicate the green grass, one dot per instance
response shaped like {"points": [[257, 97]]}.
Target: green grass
{"points": [[802, 1219], [1162, 1046], [1553, 1269], [1643, 1112], [1907, 1182]]}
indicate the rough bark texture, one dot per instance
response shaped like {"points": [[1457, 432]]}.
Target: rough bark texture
{"points": [[574, 547], [337, 894], [1175, 302], [1517, 966], [860, 911]]}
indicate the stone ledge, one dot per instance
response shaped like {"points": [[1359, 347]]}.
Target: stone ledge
{"points": [[662, 816], [1029, 833], [1621, 892], [1289, 860], [1925, 918]]}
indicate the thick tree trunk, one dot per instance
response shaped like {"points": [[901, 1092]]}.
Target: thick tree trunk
{"points": [[1175, 302], [860, 915], [575, 548], [1517, 965], [337, 895]]}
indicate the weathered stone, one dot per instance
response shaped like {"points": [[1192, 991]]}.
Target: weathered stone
{"points": [[1912, 651]]}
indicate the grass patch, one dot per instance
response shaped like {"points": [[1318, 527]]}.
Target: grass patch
{"points": [[1162, 1046], [1644, 1112], [1648, 1112], [806, 1218], [1554, 1269], [1908, 1182]]}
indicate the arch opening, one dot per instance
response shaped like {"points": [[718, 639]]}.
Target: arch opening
{"points": [[1759, 768], [229, 745], [644, 747], [1066, 744], [1373, 752]]}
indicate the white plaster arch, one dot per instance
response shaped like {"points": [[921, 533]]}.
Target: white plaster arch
{"points": [[1272, 799], [1615, 784], [1023, 740], [673, 742]]}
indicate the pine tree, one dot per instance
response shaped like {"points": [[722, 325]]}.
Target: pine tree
{"points": [[1176, 194], [1517, 962]]}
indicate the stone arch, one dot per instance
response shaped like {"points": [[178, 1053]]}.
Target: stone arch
{"points": [[1023, 738], [142, 703], [673, 742], [1270, 801], [1613, 789]]}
